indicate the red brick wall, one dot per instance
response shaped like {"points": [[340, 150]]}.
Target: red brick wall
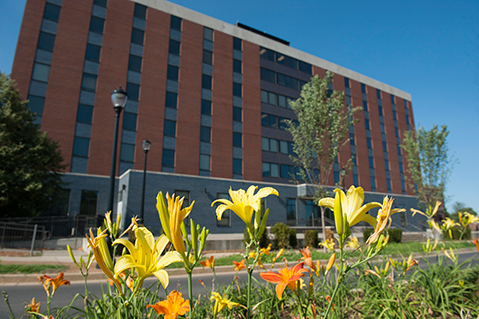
{"points": [[252, 153], [222, 107], [113, 72]]}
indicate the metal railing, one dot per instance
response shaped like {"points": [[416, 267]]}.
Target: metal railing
{"points": [[59, 226], [21, 236]]}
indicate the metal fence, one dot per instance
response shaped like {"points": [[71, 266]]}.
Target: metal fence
{"points": [[21, 236], [60, 226]]}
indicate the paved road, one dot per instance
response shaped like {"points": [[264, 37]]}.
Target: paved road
{"points": [[24, 292]]}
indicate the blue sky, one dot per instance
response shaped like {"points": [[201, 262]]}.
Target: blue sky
{"points": [[428, 48]]}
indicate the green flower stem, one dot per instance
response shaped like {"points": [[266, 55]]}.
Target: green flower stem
{"points": [[190, 294], [250, 274]]}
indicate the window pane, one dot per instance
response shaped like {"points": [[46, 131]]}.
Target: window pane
{"points": [[171, 99], [264, 74], [208, 34], [52, 12], [366, 123], [369, 142], [207, 57], [175, 23], [265, 144], [85, 113], [88, 202], [281, 79], [283, 147], [137, 36], [284, 171], [205, 134], [172, 73], [206, 81], [135, 63], [264, 119], [40, 72], [237, 44], [371, 162], [140, 11], [272, 76], [264, 96], [88, 82], [237, 89], [281, 100], [81, 146], [133, 91], [237, 114], [386, 165], [170, 128], [274, 170], [35, 103], [305, 67], [168, 158], [237, 139], [363, 88], [174, 47], [101, 3], [129, 121], [92, 52], [273, 145], [96, 24], [46, 41], [273, 121], [237, 66], [282, 123], [272, 98], [291, 211], [237, 166], [266, 169], [204, 162], [205, 107], [373, 183], [127, 153]]}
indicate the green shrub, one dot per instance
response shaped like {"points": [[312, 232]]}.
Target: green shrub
{"points": [[293, 240], [281, 234], [395, 235], [263, 241], [311, 238]]}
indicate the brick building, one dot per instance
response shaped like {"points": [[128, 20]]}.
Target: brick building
{"points": [[210, 96]]}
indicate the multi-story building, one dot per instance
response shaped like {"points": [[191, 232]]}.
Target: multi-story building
{"points": [[208, 95]]}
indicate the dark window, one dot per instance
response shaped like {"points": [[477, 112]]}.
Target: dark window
{"points": [[273, 121], [336, 177], [208, 34], [127, 153], [264, 119], [40, 72], [363, 88], [381, 110], [175, 23], [399, 149], [135, 63], [85, 113], [172, 72], [168, 158], [382, 128], [378, 93], [346, 82], [137, 36], [205, 107], [407, 119], [206, 81], [237, 166], [81, 146], [388, 183], [392, 99], [88, 82], [88, 202], [373, 183], [60, 206], [291, 211], [365, 105], [133, 91], [403, 186], [237, 114], [371, 162], [92, 52], [354, 160], [266, 54], [171, 99], [207, 57], [35, 103], [170, 128], [351, 139], [282, 123], [101, 3], [305, 67], [237, 44], [369, 142], [268, 75], [52, 12], [205, 134], [386, 165], [355, 179], [237, 89], [46, 41], [401, 169], [205, 161], [129, 121], [396, 132], [385, 146], [237, 66], [96, 24], [282, 79], [237, 139], [174, 47], [395, 117], [140, 11], [366, 123]]}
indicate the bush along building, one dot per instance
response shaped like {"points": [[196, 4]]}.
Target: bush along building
{"points": [[211, 98]]}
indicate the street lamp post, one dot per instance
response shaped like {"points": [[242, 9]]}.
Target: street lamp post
{"points": [[146, 147], [118, 98], [342, 172]]}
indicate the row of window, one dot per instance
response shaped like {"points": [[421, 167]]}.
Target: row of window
{"points": [[285, 60], [273, 121], [273, 145], [281, 79], [275, 99]]}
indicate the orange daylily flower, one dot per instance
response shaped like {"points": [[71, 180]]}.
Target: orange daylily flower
{"points": [[307, 258], [239, 265], [208, 263], [475, 241], [56, 282], [33, 307], [174, 306], [285, 277]]}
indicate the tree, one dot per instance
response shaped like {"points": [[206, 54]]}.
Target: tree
{"points": [[30, 162], [429, 164], [320, 132], [461, 207]]}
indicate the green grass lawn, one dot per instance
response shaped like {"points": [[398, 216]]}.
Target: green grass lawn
{"points": [[30, 269]]}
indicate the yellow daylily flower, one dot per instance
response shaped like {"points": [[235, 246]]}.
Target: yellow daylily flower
{"points": [[328, 243], [447, 226], [467, 218], [266, 251], [113, 228], [384, 216], [353, 243], [221, 303], [428, 248], [353, 210], [244, 204], [171, 218], [379, 272], [146, 256]]}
